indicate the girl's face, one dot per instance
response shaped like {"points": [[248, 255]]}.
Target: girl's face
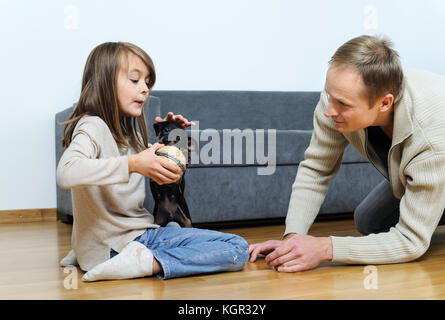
{"points": [[132, 86]]}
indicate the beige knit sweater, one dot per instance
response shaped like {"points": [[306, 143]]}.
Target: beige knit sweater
{"points": [[107, 201], [416, 163]]}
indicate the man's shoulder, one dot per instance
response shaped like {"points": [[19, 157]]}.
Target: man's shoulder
{"points": [[420, 72], [426, 106], [425, 96], [424, 81]]}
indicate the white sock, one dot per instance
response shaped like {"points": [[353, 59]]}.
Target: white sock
{"points": [[69, 260], [134, 261]]}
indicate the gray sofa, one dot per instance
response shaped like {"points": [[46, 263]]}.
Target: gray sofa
{"points": [[225, 188]]}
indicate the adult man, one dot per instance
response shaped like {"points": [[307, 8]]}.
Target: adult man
{"points": [[396, 120]]}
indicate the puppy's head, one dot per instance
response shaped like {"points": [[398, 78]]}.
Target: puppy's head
{"points": [[163, 130]]}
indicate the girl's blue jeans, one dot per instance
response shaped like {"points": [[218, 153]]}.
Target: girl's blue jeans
{"points": [[188, 251]]}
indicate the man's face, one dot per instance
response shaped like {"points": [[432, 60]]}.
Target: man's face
{"points": [[348, 106]]}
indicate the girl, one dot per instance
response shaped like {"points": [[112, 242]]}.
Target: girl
{"points": [[106, 158]]}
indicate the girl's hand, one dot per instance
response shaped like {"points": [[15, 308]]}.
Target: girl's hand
{"points": [[158, 169], [179, 119]]}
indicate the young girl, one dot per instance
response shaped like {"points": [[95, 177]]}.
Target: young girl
{"points": [[106, 160]]}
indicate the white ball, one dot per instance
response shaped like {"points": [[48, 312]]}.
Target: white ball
{"points": [[174, 155]]}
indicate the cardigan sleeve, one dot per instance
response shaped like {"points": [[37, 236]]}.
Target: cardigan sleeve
{"points": [[81, 165], [421, 208], [321, 164]]}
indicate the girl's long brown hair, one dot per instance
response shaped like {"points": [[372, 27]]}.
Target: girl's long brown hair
{"points": [[98, 95]]}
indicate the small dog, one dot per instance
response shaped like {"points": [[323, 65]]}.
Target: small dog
{"points": [[170, 204]]}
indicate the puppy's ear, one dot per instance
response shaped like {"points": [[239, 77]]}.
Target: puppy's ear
{"points": [[159, 127]]}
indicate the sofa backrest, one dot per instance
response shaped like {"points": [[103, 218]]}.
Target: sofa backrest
{"points": [[290, 114], [242, 109]]}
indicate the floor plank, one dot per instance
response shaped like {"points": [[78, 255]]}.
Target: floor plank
{"points": [[31, 251]]}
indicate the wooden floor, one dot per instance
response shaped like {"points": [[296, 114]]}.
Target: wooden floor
{"points": [[30, 253]]}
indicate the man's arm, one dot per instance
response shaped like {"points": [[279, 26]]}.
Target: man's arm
{"points": [[421, 208], [322, 162]]}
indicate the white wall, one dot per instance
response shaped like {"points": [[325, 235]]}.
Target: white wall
{"points": [[195, 44]]}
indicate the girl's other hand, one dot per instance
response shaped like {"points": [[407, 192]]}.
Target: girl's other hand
{"points": [[179, 119], [158, 169]]}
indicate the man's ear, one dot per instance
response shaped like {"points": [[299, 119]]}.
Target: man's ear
{"points": [[386, 102]]}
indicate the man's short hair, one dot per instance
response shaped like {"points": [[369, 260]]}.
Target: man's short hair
{"points": [[378, 63]]}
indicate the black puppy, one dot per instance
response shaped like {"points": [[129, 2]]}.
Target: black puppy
{"points": [[170, 204]]}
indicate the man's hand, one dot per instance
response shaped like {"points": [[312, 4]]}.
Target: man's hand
{"points": [[295, 253], [179, 119], [262, 248]]}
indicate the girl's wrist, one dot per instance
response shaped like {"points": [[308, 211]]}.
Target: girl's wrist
{"points": [[132, 163]]}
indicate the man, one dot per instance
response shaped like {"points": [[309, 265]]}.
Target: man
{"points": [[396, 120]]}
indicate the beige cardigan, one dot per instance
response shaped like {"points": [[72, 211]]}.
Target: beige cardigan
{"points": [[416, 163]]}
